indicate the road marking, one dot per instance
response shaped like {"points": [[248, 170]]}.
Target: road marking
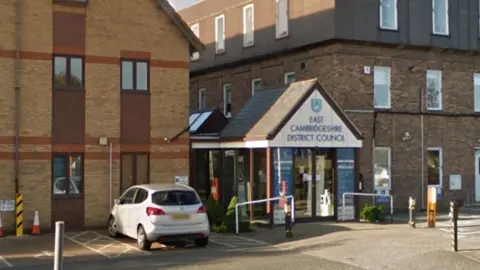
{"points": [[7, 263], [93, 240], [253, 240], [223, 244], [88, 247]]}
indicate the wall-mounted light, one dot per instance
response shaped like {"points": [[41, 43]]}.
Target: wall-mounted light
{"points": [[103, 140]]}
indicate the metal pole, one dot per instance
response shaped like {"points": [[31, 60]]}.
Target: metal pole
{"points": [[454, 225], [411, 210], [343, 206], [58, 259], [391, 209], [110, 177], [236, 218]]}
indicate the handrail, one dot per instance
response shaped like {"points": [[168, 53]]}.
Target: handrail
{"points": [[367, 194], [260, 201]]}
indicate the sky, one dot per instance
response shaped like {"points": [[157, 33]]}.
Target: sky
{"points": [[180, 4]]}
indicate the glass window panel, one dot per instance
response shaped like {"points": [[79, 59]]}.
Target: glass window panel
{"points": [[76, 175], [388, 14], [127, 75], [476, 92], [76, 72], [59, 175], [142, 76], [60, 71], [433, 167], [382, 168], [127, 172], [142, 169], [440, 18]]}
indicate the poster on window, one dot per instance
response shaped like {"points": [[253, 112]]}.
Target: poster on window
{"points": [[282, 179], [345, 182], [382, 176]]}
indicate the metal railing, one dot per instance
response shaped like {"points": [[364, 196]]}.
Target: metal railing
{"points": [[369, 195], [262, 201]]}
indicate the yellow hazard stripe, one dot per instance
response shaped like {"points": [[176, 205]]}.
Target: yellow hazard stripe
{"points": [[19, 214]]}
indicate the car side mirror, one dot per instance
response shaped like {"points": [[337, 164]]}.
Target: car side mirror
{"points": [[117, 201]]}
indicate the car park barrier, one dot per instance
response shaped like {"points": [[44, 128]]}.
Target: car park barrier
{"points": [[369, 195], [262, 201]]}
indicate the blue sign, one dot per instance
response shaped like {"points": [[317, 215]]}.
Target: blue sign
{"points": [[282, 171], [382, 199], [316, 105], [346, 175]]}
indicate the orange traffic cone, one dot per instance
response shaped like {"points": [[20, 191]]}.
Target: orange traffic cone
{"points": [[36, 224], [1, 228]]}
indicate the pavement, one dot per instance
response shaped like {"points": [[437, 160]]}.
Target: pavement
{"points": [[332, 245]]}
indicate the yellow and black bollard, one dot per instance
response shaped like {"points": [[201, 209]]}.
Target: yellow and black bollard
{"points": [[288, 219], [19, 214], [411, 210]]}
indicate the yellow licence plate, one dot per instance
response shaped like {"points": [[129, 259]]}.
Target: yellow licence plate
{"points": [[180, 216]]}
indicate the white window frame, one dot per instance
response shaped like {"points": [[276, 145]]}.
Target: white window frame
{"points": [[195, 55], [389, 157], [440, 164], [395, 16], [476, 92], [217, 49], [440, 83], [253, 84], [447, 19], [202, 92], [225, 86], [246, 41], [285, 77], [388, 70], [283, 34]]}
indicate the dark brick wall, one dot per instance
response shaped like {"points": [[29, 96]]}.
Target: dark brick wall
{"points": [[339, 68]]}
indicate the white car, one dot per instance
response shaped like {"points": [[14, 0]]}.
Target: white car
{"points": [[160, 213]]}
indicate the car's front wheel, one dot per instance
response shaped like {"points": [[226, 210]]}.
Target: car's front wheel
{"points": [[203, 242], [142, 240], [112, 227]]}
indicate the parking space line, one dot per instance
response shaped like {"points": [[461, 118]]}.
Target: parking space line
{"points": [[7, 263], [119, 242], [93, 240], [109, 245], [88, 247], [79, 234], [221, 243], [253, 240]]}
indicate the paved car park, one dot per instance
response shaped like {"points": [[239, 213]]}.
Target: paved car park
{"points": [[97, 245]]}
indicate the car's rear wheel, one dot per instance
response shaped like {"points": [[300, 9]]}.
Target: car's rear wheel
{"points": [[112, 227], [203, 242], [142, 240]]}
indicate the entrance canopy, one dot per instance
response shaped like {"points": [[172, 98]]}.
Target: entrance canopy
{"points": [[300, 115]]}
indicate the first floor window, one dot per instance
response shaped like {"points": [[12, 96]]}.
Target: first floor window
{"points": [[256, 85], [381, 85], [476, 92], [388, 14], [227, 100], [434, 89], [281, 25], [134, 170], [202, 99], [434, 164], [290, 78], [67, 174], [382, 167], [68, 72], [440, 18], [135, 75]]}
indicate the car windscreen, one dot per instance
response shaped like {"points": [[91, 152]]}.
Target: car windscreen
{"points": [[175, 197]]}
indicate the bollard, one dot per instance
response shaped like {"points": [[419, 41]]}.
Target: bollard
{"points": [[288, 219], [58, 259], [411, 210], [454, 224]]}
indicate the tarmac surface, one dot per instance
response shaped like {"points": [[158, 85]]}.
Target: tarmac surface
{"points": [[332, 245]]}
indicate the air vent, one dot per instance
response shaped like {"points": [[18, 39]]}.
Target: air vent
{"points": [[72, 2]]}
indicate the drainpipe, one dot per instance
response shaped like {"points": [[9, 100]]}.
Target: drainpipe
{"points": [[422, 145], [18, 44]]}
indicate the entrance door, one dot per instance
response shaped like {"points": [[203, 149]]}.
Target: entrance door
{"points": [[477, 175], [325, 184]]}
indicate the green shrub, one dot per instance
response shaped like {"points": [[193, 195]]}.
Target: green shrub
{"points": [[227, 222], [214, 211], [372, 213]]}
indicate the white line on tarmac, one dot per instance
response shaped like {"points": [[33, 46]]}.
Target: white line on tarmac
{"points": [[7, 263], [93, 240], [78, 234], [86, 246], [120, 242], [253, 240], [223, 244]]}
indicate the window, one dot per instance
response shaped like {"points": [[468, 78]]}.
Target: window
{"points": [[67, 174], [388, 14], [135, 75], [196, 30], [256, 85], [382, 166], [248, 26], [220, 34], [440, 17], [381, 85], [434, 166], [134, 169], [141, 196], [68, 72], [175, 197], [202, 99], [282, 19], [128, 196], [290, 78], [476, 92], [434, 89], [227, 100]]}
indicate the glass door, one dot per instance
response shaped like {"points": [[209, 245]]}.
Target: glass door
{"points": [[325, 183], [303, 187]]}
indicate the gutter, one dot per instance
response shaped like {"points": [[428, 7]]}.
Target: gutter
{"points": [[18, 45]]}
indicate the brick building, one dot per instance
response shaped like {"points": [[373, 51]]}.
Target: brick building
{"points": [[78, 76], [407, 73]]}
